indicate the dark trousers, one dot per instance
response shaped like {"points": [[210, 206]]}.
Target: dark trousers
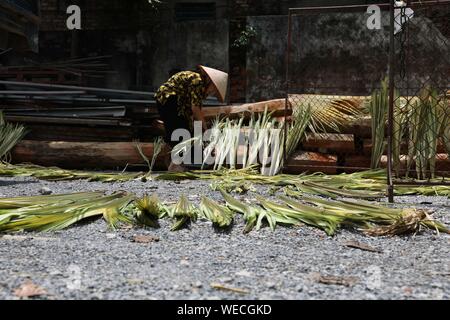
{"points": [[172, 121]]}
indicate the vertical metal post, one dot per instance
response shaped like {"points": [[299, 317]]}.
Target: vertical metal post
{"points": [[390, 185], [288, 60]]}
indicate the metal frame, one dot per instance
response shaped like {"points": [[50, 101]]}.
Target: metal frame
{"points": [[388, 5]]}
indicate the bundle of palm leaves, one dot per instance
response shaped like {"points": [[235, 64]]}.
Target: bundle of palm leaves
{"points": [[10, 135], [232, 145], [427, 120], [378, 107], [56, 212]]}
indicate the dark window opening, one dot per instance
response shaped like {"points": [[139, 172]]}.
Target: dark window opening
{"points": [[195, 11]]}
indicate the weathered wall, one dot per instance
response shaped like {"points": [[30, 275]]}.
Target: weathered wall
{"points": [[146, 44], [186, 44], [336, 53]]}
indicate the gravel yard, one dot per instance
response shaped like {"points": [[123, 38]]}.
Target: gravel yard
{"points": [[90, 261]]}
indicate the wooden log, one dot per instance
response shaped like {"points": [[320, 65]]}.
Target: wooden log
{"points": [[329, 143], [304, 161], [442, 165], [403, 147], [276, 106], [361, 128], [86, 155], [354, 163]]}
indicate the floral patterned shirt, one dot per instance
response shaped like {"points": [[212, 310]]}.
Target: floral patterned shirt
{"points": [[188, 86]]}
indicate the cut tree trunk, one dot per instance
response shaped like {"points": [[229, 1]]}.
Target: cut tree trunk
{"points": [[276, 106], [304, 161], [329, 143], [86, 155]]}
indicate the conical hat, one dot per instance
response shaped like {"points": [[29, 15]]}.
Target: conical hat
{"points": [[219, 79]]}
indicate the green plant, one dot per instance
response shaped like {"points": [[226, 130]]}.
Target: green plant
{"points": [[244, 37]]}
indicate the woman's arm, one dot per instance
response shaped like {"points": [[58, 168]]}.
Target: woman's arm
{"points": [[199, 116]]}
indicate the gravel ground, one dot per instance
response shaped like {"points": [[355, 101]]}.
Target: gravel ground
{"points": [[89, 261]]}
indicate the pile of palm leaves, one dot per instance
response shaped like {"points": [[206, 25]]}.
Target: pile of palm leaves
{"points": [[420, 121], [366, 184], [10, 135], [233, 144], [376, 220], [329, 113], [58, 174], [56, 212]]}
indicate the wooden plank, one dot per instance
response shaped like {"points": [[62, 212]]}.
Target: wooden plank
{"points": [[85, 155]]}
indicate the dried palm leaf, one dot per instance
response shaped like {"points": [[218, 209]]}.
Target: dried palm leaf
{"points": [[149, 211], [219, 215], [183, 212], [378, 107]]}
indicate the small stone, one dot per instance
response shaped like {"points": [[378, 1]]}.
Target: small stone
{"points": [[184, 262], [244, 273], [145, 239], [110, 235], [45, 191], [299, 288], [197, 284], [226, 279]]}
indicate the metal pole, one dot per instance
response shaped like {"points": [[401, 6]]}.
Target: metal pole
{"points": [[390, 185], [288, 59]]}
